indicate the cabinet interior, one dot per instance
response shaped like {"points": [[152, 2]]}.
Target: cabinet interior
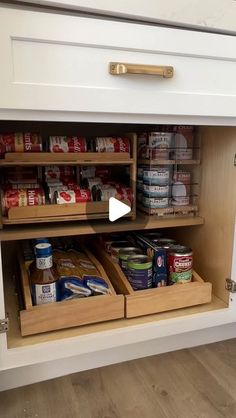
{"points": [[211, 238]]}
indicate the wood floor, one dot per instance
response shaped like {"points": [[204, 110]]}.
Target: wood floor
{"points": [[194, 383]]}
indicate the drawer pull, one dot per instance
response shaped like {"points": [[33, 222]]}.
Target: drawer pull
{"points": [[119, 68]]}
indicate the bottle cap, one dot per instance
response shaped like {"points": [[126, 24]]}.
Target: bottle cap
{"points": [[43, 249]]}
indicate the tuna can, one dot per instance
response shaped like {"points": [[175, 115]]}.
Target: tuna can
{"points": [[22, 197], [159, 144], [156, 202], [73, 196], [20, 142], [140, 185], [156, 191], [115, 247], [139, 269], [124, 254], [111, 144], [67, 144], [180, 262], [157, 176]]}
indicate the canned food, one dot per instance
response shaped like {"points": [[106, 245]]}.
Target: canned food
{"points": [[166, 243], [88, 172], [159, 144], [115, 247], [157, 176], [156, 202], [142, 145], [20, 142], [22, 186], [106, 191], [180, 201], [91, 182], [111, 144], [54, 172], [67, 144], [140, 173], [183, 141], [124, 254], [73, 196], [139, 196], [155, 191], [140, 185], [180, 262], [139, 268], [22, 197]]}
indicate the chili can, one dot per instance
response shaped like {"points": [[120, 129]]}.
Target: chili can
{"points": [[180, 260]]}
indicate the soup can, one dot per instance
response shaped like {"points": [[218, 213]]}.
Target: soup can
{"points": [[156, 191], [67, 144], [111, 144], [180, 261], [115, 247], [73, 196], [157, 176], [124, 254], [139, 269], [156, 202], [58, 172]]}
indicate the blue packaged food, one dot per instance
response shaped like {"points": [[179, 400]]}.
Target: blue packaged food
{"points": [[73, 287], [97, 285]]}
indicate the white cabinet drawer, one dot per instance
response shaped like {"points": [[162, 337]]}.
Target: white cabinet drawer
{"points": [[60, 63]]}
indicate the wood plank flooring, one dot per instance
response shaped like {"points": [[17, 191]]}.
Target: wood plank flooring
{"points": [[194, 383]]}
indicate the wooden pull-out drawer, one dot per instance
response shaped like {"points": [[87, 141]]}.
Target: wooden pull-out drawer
{"points": [[150, 301], [59, 62], [70, 313]]}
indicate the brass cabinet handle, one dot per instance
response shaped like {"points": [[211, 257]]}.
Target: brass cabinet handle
{"points": [[118, 68]]}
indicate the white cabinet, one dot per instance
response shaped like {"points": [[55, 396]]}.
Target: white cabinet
{"points": [[214, 15], [56, 62], [55, 68]]}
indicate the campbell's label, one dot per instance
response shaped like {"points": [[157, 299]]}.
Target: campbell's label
{"points": [[110, 144], [66, 144]]}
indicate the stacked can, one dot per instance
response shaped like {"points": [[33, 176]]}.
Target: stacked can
{"points": [[183, 142], [156, 187]]}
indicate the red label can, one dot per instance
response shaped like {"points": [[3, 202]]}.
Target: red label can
{"points": [[22, 197], [73, 196], [57, 172], [180, 262], [20, 142], [110, 144], [67, 144]]}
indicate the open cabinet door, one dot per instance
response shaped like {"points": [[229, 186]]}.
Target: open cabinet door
{"points": [[214, 242]]}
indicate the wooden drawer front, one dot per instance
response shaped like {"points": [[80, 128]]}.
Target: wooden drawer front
{"points": [[60, 62], [150, 301], [70, 313]]}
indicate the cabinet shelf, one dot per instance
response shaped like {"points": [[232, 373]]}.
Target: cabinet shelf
{"points": [[159, 161], [142, 221], [48, 158]]}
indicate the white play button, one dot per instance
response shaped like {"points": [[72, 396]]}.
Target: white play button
{"points": [[117, 209]]}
